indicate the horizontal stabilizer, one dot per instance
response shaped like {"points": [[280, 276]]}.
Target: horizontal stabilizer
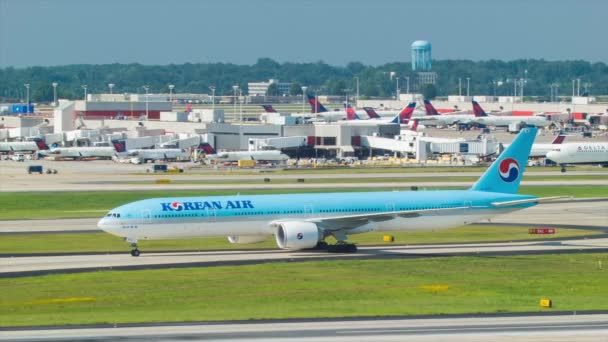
{"points": [[529, 200]]}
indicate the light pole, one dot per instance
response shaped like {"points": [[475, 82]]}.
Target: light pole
{"points": [[55, 84], [111, 85], [303, 97], [459, 86], [578, 87], [346, 91], [234, 88], [397, 89], [27, 90], [357, 98], [212, 88], [171, 86], [521, 90], [407, 87], [572, 88], [240, 105], [146, 88], [468, 83], [85, 91]]}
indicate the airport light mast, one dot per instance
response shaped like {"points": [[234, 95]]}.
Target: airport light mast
{"points": [[212, 88], [397, 89], [468, 83], [357, 98], [234, 88], [146, 88], [171, 86], [27, 90], [304, 88], [55, 84], [84, 86], [407, 87]]}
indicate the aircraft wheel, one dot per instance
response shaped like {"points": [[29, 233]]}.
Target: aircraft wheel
{"points": [[135, 252]]}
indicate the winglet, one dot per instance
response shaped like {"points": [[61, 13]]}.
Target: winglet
{"points": [[505, 174]]}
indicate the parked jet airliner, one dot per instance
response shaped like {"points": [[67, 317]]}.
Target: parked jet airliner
{"points": [[593, 153], [302, 221]]}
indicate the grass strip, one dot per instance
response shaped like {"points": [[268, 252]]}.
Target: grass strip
{"points": [[425, 286]]}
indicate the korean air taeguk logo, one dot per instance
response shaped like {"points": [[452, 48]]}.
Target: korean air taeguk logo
{"points": [[177, 206], [508, 170]]}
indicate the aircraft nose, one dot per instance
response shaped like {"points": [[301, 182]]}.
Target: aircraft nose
{"points": [[103, 223]]}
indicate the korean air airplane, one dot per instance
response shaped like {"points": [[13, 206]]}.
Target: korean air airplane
{"points": [[303, 221]]}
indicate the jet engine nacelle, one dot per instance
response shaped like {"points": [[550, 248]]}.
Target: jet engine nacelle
{"points": [[297, 235], [246, 239]]}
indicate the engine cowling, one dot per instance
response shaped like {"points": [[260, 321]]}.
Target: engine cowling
{"points": [[242, 239], [297, 235]]}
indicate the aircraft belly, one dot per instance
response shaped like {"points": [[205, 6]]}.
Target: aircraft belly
{"points": [[434, 222]]}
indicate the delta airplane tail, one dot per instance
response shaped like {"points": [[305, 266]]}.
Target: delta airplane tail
{"points": [[505, 174], [559, 139], [371, 113], [350, 113], [269, 109], [119, 146], [477, 110], [41, 144], [430, 110], [208, 149], [405, 115], [315, 105]]}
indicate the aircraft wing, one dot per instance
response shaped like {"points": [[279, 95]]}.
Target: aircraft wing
{"points": [[529, 200], [347, 222]]}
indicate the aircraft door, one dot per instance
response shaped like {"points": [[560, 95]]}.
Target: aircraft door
{"points": [[146, 216], [308, 210], [390, 206], [211, 214]]}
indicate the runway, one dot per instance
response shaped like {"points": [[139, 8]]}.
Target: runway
{"points": [[535, 328], [45, 264]]}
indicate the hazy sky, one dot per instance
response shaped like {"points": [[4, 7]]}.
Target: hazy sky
{"points": [[59, 32]]}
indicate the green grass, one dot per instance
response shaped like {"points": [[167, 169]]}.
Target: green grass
{"points": [[102, 242], [371, 180], [309, 289], [93, 204]]}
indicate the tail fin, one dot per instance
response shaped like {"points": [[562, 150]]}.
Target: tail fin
{"points": [[208, 149], [414, 126], [316, 106], [371, 113], [269, 109], [505, 174], [405, 114], [119, 145], [559, 139], [41, 144], [477, 110], [430, 110], [350, 113]]}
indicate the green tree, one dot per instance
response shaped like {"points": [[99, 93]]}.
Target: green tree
{"points": [[273, 90], [429, 91], [295, 89]]}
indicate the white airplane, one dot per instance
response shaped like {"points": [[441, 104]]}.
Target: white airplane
{"points": [[403, 117], [233, 156], [592, 153], [81, 152], [23, 146], [139, 156], [481, 117], [541, 150], [433, 118], [303, 221]]}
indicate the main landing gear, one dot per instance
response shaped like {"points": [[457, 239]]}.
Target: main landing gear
{"points": [[133, 243], [340, 247]]}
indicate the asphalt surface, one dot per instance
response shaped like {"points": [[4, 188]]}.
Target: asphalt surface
{"points": [[537, 328]]}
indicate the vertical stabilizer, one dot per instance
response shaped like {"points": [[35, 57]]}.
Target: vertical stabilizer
{"points": [[505, 174]]}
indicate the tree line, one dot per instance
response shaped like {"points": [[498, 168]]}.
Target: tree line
{"points": [[492, 77]]}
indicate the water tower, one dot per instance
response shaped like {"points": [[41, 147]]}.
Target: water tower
{"points": [[421, 55]]}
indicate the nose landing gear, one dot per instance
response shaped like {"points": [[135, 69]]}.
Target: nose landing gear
{"points": [[133, 243]]}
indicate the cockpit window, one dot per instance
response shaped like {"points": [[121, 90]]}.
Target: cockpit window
{"points": [[113, 215]]}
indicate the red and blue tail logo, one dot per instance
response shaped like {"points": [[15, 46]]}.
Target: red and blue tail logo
{"points": [[559, 139], [406, 114], [41, 144], [119, 146], [477, 110], [430, 110], [350, 113], [208, 149], [315, 105], [269, 109], [508, 170], [371, 113]]}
